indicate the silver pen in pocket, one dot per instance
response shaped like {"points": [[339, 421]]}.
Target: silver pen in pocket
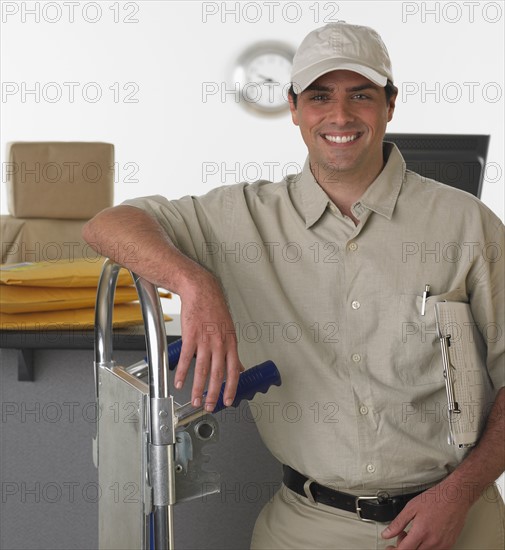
{"points": [[426, 293]]}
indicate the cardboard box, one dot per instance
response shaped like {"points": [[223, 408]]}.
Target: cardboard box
{"points": [[64, 180], [40, 240]]}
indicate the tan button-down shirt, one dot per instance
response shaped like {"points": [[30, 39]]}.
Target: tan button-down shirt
{"points": [[337, 308]]}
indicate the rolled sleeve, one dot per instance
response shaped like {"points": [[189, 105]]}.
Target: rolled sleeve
{"points": [[192, 223]]}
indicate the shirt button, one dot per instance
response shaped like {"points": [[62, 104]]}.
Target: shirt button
{"points": [[363, 409], [356, 357], [355, 304], [370, 468], [353, 246]]}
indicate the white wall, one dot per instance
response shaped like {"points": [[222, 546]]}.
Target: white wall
{"points": [[164, 139]]}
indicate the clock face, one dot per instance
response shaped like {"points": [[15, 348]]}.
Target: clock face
{"points": [[264, 74]]}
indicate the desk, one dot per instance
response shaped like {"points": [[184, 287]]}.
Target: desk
{"points": [[50, 489], [25, 342]]}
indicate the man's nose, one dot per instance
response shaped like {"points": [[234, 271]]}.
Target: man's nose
{"points": [[340, 112]]}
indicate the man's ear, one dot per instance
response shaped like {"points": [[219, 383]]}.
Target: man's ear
{"points": [[391, 106], [292, 108]]}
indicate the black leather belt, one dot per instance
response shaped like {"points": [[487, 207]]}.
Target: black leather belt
{"points": [[381, 507]]}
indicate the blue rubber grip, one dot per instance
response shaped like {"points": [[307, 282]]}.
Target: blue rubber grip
{"points": [[254, 380], [174, 352]]}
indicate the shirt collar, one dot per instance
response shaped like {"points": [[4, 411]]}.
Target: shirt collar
{"points": [[314, 199], [381, 195]]}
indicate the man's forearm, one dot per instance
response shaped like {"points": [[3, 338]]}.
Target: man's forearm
{"points": [[486, 462], [135, 240], [132, 238]]}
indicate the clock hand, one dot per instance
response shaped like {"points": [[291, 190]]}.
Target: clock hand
{"points": [[265, 78], [266, 82]]}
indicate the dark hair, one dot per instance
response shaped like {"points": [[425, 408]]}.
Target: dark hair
{"points": [[390, 90]]}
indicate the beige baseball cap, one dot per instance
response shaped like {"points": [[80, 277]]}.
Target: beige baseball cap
{"points": [[341, 46]]}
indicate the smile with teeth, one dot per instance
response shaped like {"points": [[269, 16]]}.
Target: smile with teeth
{"points": [[341, 139]]}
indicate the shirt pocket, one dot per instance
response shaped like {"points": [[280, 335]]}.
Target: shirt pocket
{"points": [[419, 358]]}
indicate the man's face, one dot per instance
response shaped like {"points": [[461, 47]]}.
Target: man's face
{"points": [[342, 117]]}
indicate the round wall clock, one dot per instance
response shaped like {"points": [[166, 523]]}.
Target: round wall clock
{"points": [[263, 73]]}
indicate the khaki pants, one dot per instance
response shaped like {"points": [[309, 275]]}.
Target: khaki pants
{"points": [[290, 521]]}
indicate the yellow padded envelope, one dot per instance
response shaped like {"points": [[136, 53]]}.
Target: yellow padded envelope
{"points": [[124, 315], [82, 272], [61, 295], [25, 299]]}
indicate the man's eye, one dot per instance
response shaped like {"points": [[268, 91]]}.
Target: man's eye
{"points": [[360, 96], [319, 97]]}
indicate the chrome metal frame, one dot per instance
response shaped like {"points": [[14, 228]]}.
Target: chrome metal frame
{"points": [[160, 404]]}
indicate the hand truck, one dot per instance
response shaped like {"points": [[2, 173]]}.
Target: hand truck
{"points": [[147, 447]]}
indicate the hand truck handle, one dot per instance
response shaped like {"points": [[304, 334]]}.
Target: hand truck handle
{"points": [[254, 380], [174, 352], [154, 323]]}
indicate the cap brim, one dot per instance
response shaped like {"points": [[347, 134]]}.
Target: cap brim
{"points": [[302, 79]]}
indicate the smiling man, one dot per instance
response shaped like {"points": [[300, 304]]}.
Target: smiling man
{"points": [[342, 118], [321, 276]]}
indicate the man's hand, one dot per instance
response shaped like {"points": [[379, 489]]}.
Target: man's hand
{"points": [[437, 517], [438, 514], [207, 331]]}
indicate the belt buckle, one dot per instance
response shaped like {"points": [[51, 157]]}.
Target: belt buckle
{"points": [[307, 491], [358, 509]]}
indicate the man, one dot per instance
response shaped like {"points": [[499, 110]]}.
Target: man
{"points": [[319, 283]]}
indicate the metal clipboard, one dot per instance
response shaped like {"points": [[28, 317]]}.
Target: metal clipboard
{"points": [[468, 386]]}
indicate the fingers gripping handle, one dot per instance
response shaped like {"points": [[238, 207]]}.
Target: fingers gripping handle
{"points": [[254, 380]]}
